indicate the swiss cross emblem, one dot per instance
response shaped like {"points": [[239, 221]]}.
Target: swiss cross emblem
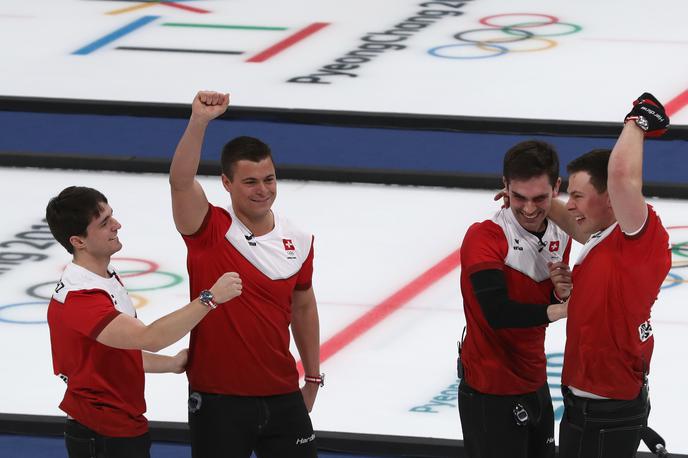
{"points": [[554, 246], [288, 245]]}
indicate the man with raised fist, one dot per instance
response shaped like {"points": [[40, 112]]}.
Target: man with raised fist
{"points": [[616, 280], [243, 383]]}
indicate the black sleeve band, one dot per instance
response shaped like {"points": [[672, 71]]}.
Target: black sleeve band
{"points": [[500, 311]]}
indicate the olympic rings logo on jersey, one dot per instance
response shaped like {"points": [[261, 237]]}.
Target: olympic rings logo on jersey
{"points": [[138, 275], [498, 39]]}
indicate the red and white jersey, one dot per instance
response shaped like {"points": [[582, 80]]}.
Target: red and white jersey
{"points": [[609, 338], [104, 385], [511, 360], [242, 347]]}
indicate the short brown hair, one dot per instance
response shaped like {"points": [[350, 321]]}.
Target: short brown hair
{"points": [[243, 148], [71, 211], [530, 159], [596, 163]]}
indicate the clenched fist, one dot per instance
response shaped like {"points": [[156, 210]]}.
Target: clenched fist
{"points": [[208, 105], [649, 115], [227, 287]]}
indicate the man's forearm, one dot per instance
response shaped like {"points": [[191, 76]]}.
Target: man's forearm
{"points": [[305, 326], [157, 364], [170, 328], [187, 156]]}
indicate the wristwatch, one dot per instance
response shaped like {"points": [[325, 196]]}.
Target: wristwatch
{"points": [[208, 299]]}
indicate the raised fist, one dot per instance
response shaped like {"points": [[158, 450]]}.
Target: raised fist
{"points": [[649, 115], [208, 105]]}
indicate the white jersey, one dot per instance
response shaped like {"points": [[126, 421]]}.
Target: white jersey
{"points": [[279, 254], [77, 278], [527, 253]]}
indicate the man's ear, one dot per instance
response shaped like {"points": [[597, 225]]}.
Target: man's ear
{"points": [[226, 182], [77, 242], [609, 201], [557, 185]]}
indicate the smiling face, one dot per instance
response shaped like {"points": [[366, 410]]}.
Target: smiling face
{"points": [[592, 209], [253, 188], [530, 200], [100, 240]]}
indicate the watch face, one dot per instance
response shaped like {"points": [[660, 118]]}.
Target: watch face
{"points": [[207, 298]]}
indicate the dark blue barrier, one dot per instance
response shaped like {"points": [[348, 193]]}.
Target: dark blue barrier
{"points": [[344, 153]]}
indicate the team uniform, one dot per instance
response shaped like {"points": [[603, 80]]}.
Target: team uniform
{"points": [[505, 368], [105, 386], [609, 340], [243, 381]]}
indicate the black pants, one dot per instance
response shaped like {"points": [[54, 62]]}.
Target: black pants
{"points": [[225, 426], [602, 428], [491, 430], [83, 442]]}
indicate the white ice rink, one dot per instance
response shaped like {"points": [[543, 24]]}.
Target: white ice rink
{"points": [[540, 59], [385, 251]]}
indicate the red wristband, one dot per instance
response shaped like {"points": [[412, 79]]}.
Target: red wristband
{"points": [[319, 379]]}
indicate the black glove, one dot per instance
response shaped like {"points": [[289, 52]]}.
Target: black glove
{"points": [[649, 115]]}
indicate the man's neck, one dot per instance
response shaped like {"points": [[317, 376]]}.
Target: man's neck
{"points": [[92, 264], [541, 230], [258, 226], [606, 225]]}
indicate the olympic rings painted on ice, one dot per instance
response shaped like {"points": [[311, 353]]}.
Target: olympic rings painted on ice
{"points": [[494, 39], [436, 51], [138, 280], [20, 321], [174, 280], [679, 249], [673, 279], [138, 300], [152, 267], [486, 20]]}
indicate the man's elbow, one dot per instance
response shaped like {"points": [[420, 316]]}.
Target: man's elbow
{"points": [[149, 341]]}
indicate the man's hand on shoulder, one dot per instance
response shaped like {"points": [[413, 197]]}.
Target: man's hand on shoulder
{"points": [[208, 105], [504, 196]]}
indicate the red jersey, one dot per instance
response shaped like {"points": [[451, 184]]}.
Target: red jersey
{"points": [[609, 338], [242, 347], [511, 360], [104, 384]]}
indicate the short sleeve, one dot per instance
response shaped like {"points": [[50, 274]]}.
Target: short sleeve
{"points": [[305, 276], [88, 312], [214, 227], [652, 233], [484, 247], [650, 246]]}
